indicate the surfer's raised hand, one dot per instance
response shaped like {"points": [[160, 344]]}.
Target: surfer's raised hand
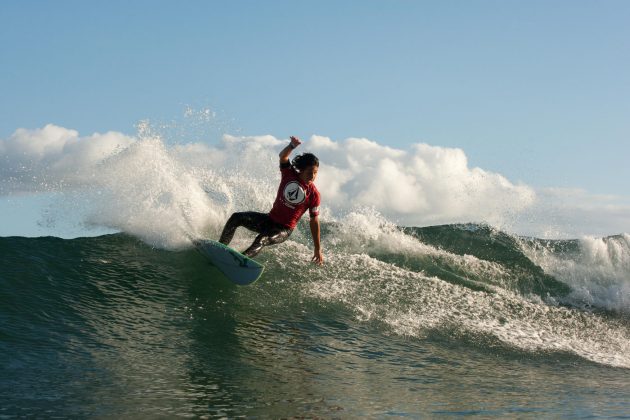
{"points": [[286, 152]]}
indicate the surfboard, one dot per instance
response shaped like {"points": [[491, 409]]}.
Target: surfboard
{"points": [[237, 267]]}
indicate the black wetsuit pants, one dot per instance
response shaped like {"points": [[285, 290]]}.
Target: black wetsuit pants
{"points": [[270, 233]]}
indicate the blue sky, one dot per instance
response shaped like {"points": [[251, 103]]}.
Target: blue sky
{"points": [[538, 91]]}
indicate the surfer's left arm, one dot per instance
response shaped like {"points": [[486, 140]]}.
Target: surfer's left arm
{"points": [[318, 257]]}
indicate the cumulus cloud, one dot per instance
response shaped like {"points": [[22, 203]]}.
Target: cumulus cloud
{"points": [[419, 186], [424, 185], [49, 158]]}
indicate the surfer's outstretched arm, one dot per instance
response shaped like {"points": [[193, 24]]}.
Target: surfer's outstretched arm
{"points": [[318, 257], [286, 152]]}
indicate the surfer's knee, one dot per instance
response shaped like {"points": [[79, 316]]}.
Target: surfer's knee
{"points": [[255, 248], [279, 237]]}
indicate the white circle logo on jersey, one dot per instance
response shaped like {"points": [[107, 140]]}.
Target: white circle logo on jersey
{"points": [[294, 193]]}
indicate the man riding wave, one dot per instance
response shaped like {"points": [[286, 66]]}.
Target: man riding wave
{"points": [[296, 194]]}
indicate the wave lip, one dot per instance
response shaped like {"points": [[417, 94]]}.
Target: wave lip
{"points": [[596, 269]]}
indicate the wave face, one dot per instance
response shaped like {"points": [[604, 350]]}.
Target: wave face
{"points": [[529, 294], [110, 326]]}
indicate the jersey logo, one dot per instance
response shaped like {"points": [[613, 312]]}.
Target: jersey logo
{"points": [[294, 193]]}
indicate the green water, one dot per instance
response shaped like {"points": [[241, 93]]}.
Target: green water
{"points": [[109, 327]]}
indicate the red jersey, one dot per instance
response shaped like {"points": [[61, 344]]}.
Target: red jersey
{"points": [[293, 199]]}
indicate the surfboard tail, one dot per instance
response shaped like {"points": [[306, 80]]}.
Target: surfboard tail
{"points": [[238, 268]]}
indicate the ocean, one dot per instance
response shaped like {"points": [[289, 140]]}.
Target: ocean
{"points": [[460, 320], [414, 314]]}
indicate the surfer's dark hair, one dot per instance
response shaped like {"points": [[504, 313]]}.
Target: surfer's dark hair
{"points": [[303, 161]]}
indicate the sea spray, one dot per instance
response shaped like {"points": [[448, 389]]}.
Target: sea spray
{"points": [[167, 195], [596, 269], [143, 191]]}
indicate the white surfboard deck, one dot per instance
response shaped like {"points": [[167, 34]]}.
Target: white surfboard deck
{"points": [[235, 266]]}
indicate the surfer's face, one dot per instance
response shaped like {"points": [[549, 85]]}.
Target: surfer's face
{"points": [[308, 174]]}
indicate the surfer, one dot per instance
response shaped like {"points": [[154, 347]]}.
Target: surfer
{"points": [[296, 194]]}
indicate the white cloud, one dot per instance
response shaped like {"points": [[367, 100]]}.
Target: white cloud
{"points": [[52, 157], [420, 186], [424, 185]]}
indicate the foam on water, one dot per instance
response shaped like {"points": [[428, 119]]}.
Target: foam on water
{"points": [[367, 231], [411, 304], [598, 270]]}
